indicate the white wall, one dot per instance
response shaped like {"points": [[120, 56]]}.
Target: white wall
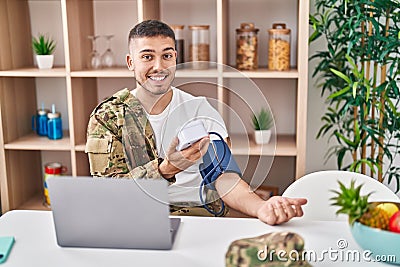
{"points": [[114, 18], [316, 148]]}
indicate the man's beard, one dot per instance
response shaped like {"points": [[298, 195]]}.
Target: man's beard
{"points": [[153, 91]]}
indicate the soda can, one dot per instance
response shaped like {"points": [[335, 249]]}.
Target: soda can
{"points": [[51, 169]]}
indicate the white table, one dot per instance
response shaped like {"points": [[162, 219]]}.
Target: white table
{"points": [[200, 242]]}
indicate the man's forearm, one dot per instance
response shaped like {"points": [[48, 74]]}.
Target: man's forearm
{"points": [[236, 194]]}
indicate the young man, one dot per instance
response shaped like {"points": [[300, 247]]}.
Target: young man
{"points": [[132, 134]]}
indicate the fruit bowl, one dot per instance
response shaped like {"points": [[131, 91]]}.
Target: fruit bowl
{"points": [[383, 244]]}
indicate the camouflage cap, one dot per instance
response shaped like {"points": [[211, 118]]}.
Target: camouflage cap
{"points": [[275, 249]]}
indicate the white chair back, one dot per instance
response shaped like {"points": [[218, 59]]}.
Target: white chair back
{"points": [[317, 186]]}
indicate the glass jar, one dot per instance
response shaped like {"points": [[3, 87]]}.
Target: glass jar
{"points": [[54, 125], [199, 48], [246, 47], [279, 47], [39, 122], [179, 44]]}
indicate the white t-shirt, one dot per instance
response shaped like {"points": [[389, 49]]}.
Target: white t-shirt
{"points": [[184, 108]]}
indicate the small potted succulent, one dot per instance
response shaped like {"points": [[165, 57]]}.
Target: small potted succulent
{"points": [[262, 123], [44, 48]]}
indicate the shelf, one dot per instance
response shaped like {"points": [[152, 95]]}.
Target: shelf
{"points": [[77, 90], [190, 73], [117, 72], [262, 73], [245, 145], [123, 72], [35, 203], [80, 148], [34, 72], [35, 142]]}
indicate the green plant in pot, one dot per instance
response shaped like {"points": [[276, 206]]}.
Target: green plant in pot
{"points": [[44, 47], [358, 72], [263, 121]]}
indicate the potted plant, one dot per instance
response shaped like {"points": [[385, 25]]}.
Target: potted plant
{"points": [[44, 47], [262, 123], [358, 73]]}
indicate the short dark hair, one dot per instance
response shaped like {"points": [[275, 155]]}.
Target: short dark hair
{"points": [[151, 28]]}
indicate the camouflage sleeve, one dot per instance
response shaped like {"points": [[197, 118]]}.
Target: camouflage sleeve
{"points": [[106, 152]]}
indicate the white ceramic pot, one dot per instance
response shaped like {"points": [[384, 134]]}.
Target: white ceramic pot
{"points": [[45, 61], [262, 137]]}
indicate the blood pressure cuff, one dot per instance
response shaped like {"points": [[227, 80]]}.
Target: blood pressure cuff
{"points": [[217, 160]]}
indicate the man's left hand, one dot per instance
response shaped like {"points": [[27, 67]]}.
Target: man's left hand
{"points": [[177, 161]]}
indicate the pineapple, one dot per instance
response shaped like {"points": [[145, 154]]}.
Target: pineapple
{"points": [[357, 207]]}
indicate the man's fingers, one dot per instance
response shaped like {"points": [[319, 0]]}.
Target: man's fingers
{"points": [[290, 211], [280, 212], [299, 211], [203, 145], [172, 146], [187, 157], [297, 201], [196, 150]]}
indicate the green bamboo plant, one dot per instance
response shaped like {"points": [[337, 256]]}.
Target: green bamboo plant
{"points": [[359, 75]]}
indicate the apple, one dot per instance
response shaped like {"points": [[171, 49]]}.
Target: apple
{"points": [[394, 223]]}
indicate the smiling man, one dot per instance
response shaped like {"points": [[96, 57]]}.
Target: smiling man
{"points": [[132, 135]]}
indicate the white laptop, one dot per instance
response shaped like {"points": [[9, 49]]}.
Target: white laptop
{"points": [[111, 213]]}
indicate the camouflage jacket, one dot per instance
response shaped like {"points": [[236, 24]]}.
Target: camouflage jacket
{"points": [[120, 140], [276, 249]]}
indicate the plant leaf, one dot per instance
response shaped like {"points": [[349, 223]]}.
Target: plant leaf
{"points": [[341, 75]]}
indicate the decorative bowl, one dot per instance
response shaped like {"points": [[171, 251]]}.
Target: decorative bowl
{"points": [[383, 245]]}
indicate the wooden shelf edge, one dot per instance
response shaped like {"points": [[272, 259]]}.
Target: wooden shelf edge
{"points": [[262, 73], [35, 142], [35, 72], [190, 73], [116, 72], [244, 145], [80, 148], [123, 72]]}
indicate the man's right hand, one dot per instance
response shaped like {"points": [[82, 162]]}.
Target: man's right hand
{"points": [[177, 161]]}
